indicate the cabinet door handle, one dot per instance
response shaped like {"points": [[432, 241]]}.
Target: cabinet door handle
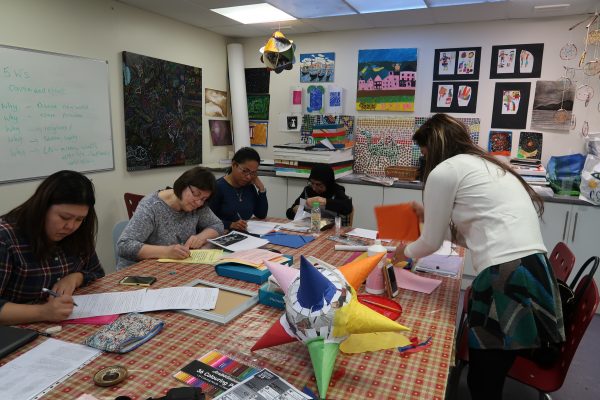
{"points": [[565, 227], [574, 227]]}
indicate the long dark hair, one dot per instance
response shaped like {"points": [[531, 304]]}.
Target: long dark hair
{"points": [[63, 187], [445, 137]]}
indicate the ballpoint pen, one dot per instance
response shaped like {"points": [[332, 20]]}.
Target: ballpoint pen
{"points": [[54, 294]]}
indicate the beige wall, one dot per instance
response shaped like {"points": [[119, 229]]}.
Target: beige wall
{"points": [[102, 29]]}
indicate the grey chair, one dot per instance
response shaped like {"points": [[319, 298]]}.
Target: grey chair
{"points": [[116, 234]]}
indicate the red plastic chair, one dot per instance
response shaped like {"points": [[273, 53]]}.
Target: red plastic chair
{"points": [[131, 202], [562, 260], [544, 380], [552, 379]]}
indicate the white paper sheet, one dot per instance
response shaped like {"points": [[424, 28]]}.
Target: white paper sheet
{"points": [[29, 375], [364, 233], [260, 227], [300, 213], [175, 298]]}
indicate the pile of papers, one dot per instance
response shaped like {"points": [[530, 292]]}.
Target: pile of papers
{"points": [[532, 171]]}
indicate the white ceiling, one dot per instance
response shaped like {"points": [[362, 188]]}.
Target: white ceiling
{"points": [[197, 13]]}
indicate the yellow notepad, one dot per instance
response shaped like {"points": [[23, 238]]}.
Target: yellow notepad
{"points": [[198, 257]]}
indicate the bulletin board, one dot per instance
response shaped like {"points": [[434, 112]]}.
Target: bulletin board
{"points": [[54, 114]]}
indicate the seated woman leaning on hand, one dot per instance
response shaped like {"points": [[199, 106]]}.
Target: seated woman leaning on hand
{"points": [[483, 205], [322, 188], [48, 242], [170, 222], [240, 194]]}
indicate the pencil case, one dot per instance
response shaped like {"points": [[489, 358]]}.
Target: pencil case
{"points": [[126, 333]]}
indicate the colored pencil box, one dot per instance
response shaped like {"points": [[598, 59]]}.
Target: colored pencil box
{"points": [[126, 333]]}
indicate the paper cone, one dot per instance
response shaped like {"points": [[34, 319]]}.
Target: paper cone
{"points": [[283, 275], [314, 287], [363, 342], [357, 271], [322, 356], [275, 336], [365, 320]]}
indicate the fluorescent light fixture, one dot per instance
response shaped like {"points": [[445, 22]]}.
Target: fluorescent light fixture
{"points": [[444, 3], [254, 13], [549, 7], [313, 8], [374, 6]]}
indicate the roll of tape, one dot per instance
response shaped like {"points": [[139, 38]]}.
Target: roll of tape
{"points": [[110, 376]]}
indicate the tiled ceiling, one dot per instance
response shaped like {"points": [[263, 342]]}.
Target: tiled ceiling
{"points": [[197, 13]]}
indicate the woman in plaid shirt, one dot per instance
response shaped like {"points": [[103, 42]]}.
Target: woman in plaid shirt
{"points": [[48, 242]]}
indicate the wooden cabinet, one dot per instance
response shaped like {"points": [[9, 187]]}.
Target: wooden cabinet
{"points": [[577, 226]]}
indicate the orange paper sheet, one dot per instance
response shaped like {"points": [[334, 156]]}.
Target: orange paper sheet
{"points": [[398, 221]]}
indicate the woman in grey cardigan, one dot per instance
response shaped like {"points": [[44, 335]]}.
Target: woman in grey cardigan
{"points": [[170, 222]]}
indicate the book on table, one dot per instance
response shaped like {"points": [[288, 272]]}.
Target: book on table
{"points": [[236, 241], [214, 373], [263, 385]]}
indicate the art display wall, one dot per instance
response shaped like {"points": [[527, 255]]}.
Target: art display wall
{"points": [[483, 71]]}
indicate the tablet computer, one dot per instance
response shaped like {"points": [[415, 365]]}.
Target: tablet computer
{"points": [[12, 338]]}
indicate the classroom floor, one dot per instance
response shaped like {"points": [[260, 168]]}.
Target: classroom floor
{"points": [[581, 382]]}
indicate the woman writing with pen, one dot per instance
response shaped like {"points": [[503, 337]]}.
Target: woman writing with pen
{"points": [[170, 222], [48, 242], [240, 194]]}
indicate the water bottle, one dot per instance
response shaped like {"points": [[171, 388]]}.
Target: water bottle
{"points": [[375, 284], [315, 218]]}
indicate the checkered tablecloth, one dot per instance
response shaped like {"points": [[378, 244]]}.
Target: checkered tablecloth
{"points": [[379, 375]]}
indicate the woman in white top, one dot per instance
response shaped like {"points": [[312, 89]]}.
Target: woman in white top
{"points": [[483, 205]]}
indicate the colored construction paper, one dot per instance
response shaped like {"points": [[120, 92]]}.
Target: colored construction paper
{"points": [[411, 281], [398, 221], [285, 239], [375, 341]]}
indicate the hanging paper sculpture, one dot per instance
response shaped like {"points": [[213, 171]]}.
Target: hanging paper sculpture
{"points": [[278, 53], [323, 312]]}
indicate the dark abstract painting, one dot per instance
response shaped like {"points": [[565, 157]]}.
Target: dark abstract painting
{"points": [[163, 112]]}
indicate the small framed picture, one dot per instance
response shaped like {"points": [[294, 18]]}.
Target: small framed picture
{"points": [[517, 61], [457, 64]]}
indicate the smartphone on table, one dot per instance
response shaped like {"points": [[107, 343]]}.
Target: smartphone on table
{"points": [[389, 279], [138, 280]]}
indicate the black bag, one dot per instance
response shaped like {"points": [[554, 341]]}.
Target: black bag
{"points": [[549, 352]]}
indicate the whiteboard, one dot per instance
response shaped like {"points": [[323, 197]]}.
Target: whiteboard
{"points": [[54, 114]]}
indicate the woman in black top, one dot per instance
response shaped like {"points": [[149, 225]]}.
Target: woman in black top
{"points": [[322, 188]]}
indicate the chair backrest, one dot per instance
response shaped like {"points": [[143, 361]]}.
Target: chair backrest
{"points": [[116, 233], [552, 379], [581, 317], [131, 202], [562, 260]]}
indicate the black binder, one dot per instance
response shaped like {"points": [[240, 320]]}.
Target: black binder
{"points": [[11, 338]]}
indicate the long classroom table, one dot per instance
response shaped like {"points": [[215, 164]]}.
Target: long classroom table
{"points": [[386, 374]]}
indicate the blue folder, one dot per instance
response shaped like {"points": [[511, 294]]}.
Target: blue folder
{"points": [[288, 240]]}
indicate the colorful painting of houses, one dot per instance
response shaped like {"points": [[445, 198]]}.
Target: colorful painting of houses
{"points": [[387, 80]]}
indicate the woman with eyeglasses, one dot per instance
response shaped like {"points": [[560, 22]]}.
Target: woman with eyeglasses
{"points": [[170, 222], [321, 188], [240, 194]]}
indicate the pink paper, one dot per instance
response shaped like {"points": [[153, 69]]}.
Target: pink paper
{"points": [[101, 320], [414, 282]]}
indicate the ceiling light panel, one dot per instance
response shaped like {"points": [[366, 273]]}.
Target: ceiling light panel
{"points": [[373, 6], [254, 13], [313, 8]]}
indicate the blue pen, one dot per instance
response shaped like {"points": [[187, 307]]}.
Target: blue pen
{"points": [[54, 294]]}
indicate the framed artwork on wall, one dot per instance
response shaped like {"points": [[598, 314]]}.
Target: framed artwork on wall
{"points": [[461, 63], [516, 61], [454, 97], [511, 104], [163, 112], [387, 80], [317, 67]]}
